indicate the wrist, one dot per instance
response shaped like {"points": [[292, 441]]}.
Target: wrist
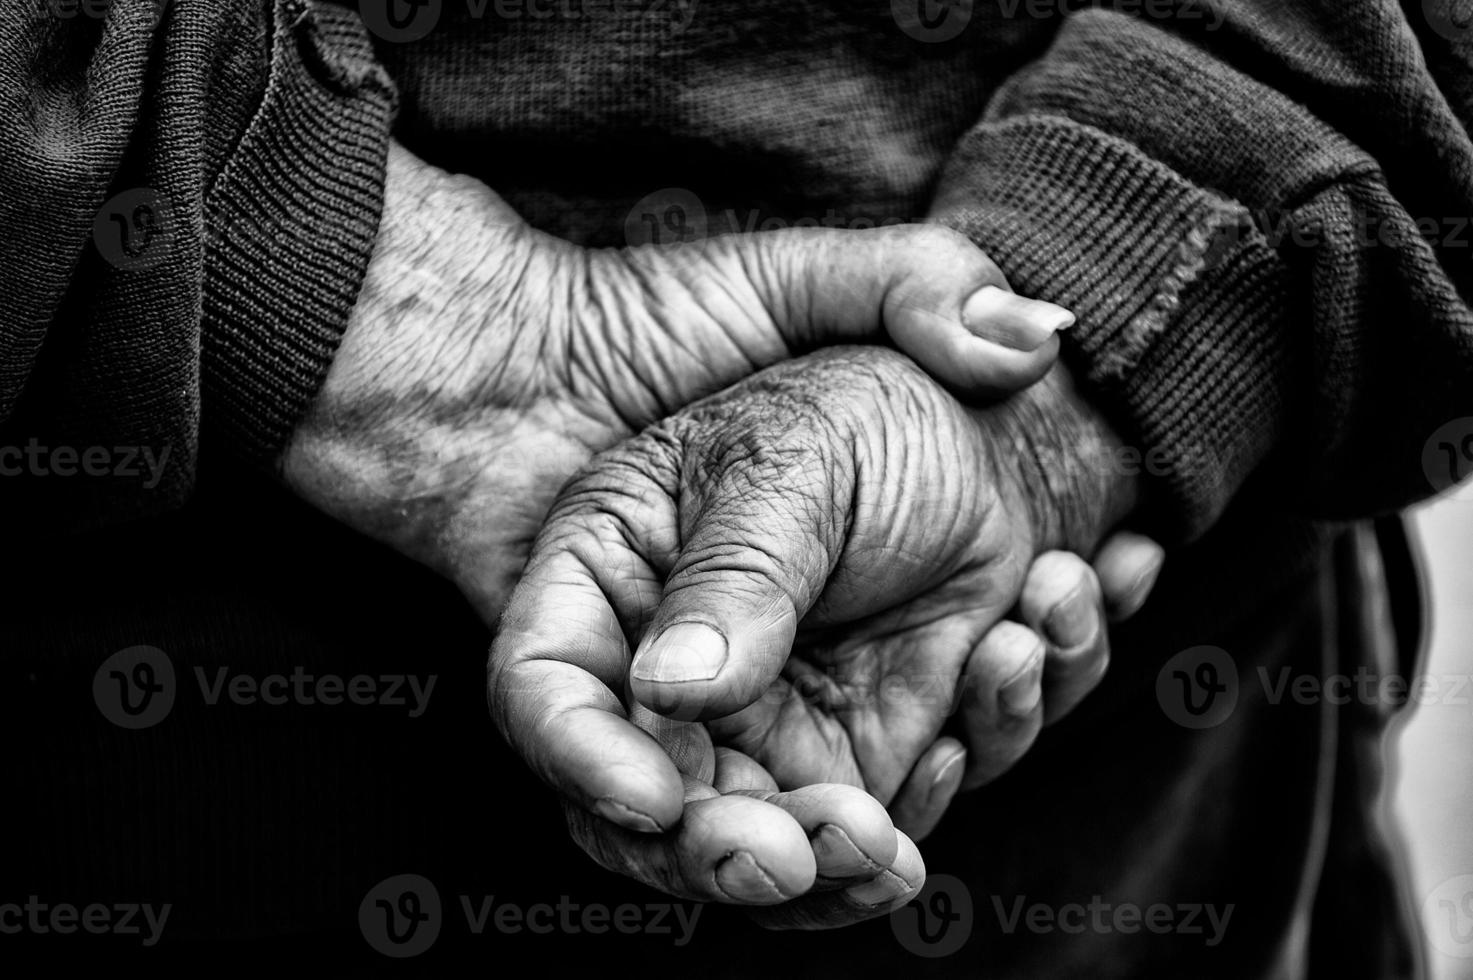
{"points": [[448, 253], [433, 432]]}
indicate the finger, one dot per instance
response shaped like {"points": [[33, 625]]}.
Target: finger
{"points": [[758, 550], [732, 849], [1001, 344], [737, 772], [555, 664], [851, 834], [825, 286], [688, 744], [1061, 602], [1002, 700], [795, 745], [880, 895], [849, 830], [1128, 565], [1019, 323], [929, 788]]}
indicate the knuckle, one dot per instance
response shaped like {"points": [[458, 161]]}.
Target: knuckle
{"points": [[938, 240], [618, 481], [1054, 576], [1006, 650]]}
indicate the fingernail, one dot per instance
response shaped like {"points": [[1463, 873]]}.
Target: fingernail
{"points": [[1015, 321], [1141, 588], [684, 652], [837, 854], [615, 812], [1072, 621], [950, 776], [740, 877], [884, 888], [1021, 695]]}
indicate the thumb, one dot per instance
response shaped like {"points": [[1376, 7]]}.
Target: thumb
{"points": [[757, 555], [939, 298]]}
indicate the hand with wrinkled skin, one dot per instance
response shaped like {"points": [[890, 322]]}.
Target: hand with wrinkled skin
{"points": [[486, 361], [844, 503]]}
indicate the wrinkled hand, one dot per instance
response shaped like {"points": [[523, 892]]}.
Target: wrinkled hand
{"points": [[485, 361], [816, 562]]}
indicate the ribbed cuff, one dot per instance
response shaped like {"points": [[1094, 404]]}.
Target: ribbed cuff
{"points": [[1179, 300], [292, 222]]}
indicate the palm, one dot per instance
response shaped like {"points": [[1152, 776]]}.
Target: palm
{"points": [[860, 702]]}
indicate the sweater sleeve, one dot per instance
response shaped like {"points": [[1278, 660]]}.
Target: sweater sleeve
{"points": [[189, 195], [1264, 231]]}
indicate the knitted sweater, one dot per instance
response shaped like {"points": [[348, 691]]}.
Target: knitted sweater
{"points": [[1256, 209], [1258, 212]]}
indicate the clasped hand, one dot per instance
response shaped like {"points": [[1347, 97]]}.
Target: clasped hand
{"points": [[733, 623], [809, 569]]}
